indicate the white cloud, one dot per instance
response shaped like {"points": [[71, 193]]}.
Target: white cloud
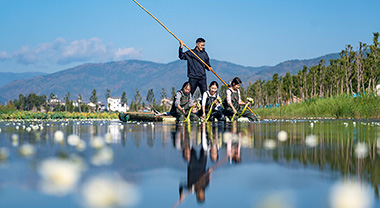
{"points": [[124, 53], [61, 51], [4, 55]]}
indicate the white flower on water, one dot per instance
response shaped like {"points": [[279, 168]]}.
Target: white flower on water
{"points": [[282, 136], [350, 194], [59, 176], [35, 127], [277, 200], [269, 144], [354, 123], [106, 191], [27, 150], [4, 153], [15, 137], [59, 136], [73, 140], [108, 138], [81, 146], [17, 128], [103, 157], [361, 150], [311, 141], [311, 125], [345, 124], [28, 129], [97, 142]]}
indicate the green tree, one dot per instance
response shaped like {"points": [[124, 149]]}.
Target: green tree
{"points": [[150, 96], [138, 99], [163, 96], [124, 98], [67, 101], [94, 99], [108, 93]]}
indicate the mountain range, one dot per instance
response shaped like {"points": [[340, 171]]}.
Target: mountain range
{"points": [[130, 75]]}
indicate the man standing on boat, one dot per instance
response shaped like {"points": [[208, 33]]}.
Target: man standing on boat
{"points": [[195, 68]]}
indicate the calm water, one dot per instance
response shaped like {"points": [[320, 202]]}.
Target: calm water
{"points": [[109, 164]]}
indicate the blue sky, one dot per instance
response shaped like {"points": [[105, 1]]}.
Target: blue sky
{"points": [[50, 36]]}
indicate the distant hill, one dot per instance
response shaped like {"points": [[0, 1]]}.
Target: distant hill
{"points": [[7, 77], [144, 75], [118, 77]]}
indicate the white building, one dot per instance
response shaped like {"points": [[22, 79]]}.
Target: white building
{"points": [[114, 104]]}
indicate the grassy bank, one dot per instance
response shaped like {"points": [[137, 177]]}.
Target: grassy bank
{"points": [[56, 115], [342, 107]]}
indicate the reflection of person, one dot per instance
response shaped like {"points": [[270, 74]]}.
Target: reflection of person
{"points": [[195, 68], [197, 176], [233, 101], [234, 146], [210, 98], [182, 103]]}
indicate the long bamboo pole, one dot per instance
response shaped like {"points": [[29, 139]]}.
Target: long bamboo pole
{"points": [[208, 67]]}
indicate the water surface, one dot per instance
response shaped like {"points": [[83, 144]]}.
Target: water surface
{"points": [[213, 165]]}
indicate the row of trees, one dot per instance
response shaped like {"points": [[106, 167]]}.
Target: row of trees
{"points": [[356, 71]]}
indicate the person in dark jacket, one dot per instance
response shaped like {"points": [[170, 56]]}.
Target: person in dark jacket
{"points": [[196, 70]]}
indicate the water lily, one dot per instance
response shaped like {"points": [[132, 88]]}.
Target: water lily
{"points": [[59, 176], [103, 157], [59, 136], [361, 150], [14, 137], [311, 141], [350, 194], [107, 191], [282, 136], [81, 146], [73, 140], [28, 129], [269, 144], [277, 200], [97, 142], [27, 150], [108, 138], [4, 153]]}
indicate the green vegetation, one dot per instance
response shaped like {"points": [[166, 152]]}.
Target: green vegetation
{"points": [[363, 106], [354, 72], [6, 114]]}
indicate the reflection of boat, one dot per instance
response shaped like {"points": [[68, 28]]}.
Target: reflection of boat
{"points": [[144, 117]]}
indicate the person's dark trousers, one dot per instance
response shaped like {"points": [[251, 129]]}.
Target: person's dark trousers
{"points": [[201, 83]]}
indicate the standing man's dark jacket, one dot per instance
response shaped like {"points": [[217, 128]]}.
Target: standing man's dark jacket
{"points": [[195, 68]]}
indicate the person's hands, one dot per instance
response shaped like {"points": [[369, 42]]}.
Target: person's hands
{"points": [[235, 112]]}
